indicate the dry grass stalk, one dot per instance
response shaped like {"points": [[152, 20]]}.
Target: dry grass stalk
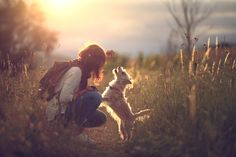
{"points": [[234, 64], [213, 67], [226, 58], [182, 60], [193, 54], [219, 67], [207, 53], [192, 103], [190, 68], [217, 46], [193, 63], [26, 70], [208, 43], [205, 67]]}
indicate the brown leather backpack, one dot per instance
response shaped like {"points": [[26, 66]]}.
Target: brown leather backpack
{"points": [[51, 78]]}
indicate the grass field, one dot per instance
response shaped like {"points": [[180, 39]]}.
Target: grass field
{"points": [[193, 104]]}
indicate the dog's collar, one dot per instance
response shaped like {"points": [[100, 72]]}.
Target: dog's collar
{"points": [[114, 88]]}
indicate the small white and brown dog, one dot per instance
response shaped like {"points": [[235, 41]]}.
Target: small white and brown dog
{"points": [[117, 106]]}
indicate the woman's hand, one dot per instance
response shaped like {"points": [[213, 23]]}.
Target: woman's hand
{"points": [[89, 88]]}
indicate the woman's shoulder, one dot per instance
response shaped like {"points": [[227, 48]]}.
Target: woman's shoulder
{"points": [[74, 70]]}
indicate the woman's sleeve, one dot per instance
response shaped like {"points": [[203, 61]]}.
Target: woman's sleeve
{"points": [[70, 85]]}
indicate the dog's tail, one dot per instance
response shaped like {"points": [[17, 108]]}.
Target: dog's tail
{"points": [[142, 113]]}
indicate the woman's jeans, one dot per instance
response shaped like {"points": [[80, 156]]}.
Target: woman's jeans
{"points": [[84, 110]]}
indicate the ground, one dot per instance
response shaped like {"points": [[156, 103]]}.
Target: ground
{"points": [[108, 141]]}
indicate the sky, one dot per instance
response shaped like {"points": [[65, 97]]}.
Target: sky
{"points": [[127, 26]]}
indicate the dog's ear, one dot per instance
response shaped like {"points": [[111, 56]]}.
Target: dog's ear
{"points": [[115, 71]]}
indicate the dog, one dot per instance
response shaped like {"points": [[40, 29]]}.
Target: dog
{"points": [[117, 106]]}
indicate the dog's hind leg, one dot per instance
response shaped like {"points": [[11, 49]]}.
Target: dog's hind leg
{"points": [[128, 129]]}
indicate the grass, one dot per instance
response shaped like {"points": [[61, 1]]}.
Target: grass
{"points": [[193, 103]]}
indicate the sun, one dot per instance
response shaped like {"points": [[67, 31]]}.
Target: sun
{"points": [[57, 6]]}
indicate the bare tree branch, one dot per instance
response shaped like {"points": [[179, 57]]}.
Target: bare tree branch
{"points": [[172, 12], [188, 15]]}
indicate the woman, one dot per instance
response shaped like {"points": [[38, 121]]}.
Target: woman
{"points": [[76, 100]]}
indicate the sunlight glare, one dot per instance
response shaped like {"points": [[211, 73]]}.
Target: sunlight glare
{"points": [[59, 4], [59, 7]]}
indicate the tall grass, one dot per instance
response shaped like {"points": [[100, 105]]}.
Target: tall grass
{"points": [[23, 127], [194, 109], [193, 103]]}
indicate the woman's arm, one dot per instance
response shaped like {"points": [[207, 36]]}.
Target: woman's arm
{"points": [[70, 85]]}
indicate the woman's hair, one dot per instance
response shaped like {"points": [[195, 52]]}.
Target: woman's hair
{"points": [[93, 57]]}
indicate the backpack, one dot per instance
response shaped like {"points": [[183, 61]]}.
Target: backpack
{"points": [[50, 79]]}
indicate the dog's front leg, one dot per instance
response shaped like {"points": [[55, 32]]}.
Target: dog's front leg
{"points": [[123, 132]]}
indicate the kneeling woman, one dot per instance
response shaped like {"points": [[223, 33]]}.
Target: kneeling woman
{"points": [[76, 100]]}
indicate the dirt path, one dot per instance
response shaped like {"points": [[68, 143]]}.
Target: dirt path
{"points": [[107, 137]]}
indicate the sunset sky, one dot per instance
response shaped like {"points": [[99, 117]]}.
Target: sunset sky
{"points": [[128, 26]]}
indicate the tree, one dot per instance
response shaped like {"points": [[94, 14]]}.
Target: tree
{"points": [[22, 34], [187, 16]]}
